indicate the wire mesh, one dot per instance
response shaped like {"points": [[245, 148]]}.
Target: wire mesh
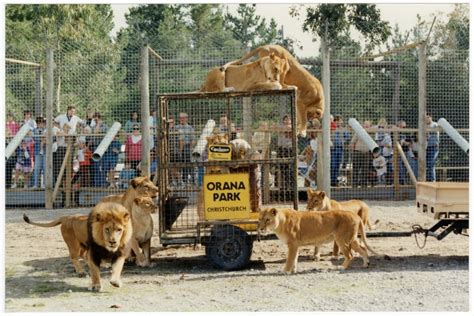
{"points": [[262, 150], [107, 82]]}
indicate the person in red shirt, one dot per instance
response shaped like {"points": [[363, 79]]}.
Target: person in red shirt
{"points": [[332, 123], [12, 126], [133, 147]]}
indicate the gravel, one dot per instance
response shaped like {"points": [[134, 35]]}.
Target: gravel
{"points": [[40, 276]]}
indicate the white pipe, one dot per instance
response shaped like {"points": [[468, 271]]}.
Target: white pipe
{"points": [[454, 134], [105, 143], [202, 142], [364, 136], [16, 140]]}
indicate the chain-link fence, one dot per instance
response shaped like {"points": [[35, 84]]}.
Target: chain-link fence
{"points": [[105, 87]]}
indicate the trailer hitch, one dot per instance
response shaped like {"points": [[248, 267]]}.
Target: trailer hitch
{"points": [[418, 230], [448, 225]]}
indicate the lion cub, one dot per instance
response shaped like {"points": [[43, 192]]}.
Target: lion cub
{"points": [[298, 229], [142, 224]]}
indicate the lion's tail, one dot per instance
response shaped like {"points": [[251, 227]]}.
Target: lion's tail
{"points": [[364, 214], [363, 237], [56, 222], [244, 58]]}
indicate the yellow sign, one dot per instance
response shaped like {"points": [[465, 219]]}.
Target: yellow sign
{"points": [[219, 152], [226, 196]]}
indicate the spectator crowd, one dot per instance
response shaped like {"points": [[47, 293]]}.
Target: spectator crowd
{"points": [[26, 167]]}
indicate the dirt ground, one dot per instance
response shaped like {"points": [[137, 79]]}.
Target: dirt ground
{"points": [[40, 276]]}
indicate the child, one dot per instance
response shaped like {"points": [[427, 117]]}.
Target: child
{"points": [[126, 175], [380, 166], [23, 164]]}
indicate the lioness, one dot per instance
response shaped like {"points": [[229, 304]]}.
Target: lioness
{"points": [[298, 229], [142, 224], [310, 96], [139, 186], [74, 231], [319, 201], [262, 74], [109, 231]]}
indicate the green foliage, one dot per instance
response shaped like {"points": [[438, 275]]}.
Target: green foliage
{"points": [[337, 19], [251, 30], [247, 27]]}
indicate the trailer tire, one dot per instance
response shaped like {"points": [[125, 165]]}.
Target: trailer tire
{"points": [[229, 247]]}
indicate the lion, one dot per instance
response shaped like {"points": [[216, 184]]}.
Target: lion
{"points": [[142, 224], [109, 232], [74, 231], [262, 74], [319, 201], [310, 96], [139, 186], [298, 229]]}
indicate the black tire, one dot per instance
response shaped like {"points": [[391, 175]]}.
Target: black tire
{"points": [[229, 247]]}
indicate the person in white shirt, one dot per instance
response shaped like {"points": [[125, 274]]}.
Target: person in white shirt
{"points": [[61, 146], [380, 166], [28, 120], [70, 118]]}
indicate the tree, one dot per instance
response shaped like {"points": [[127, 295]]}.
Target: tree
{"points": [[339, 18], [78, 34], [246, 27]]}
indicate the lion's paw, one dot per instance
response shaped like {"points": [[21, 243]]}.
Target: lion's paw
{"points": [[116, 283], [95, 287], [82, 274]]}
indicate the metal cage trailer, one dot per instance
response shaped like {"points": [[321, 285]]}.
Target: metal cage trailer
{"points": [[210, 193]]}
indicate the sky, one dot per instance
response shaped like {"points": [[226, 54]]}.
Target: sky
{"points": [[403, 14]]}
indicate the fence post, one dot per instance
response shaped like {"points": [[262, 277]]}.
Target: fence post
{"points": [[145, 111], [48, 171], [422, 112], [68, 184], [396, 166], [39, 91], [324, 174]]}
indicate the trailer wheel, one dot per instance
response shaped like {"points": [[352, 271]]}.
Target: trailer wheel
{"points": [[229, 247]]}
